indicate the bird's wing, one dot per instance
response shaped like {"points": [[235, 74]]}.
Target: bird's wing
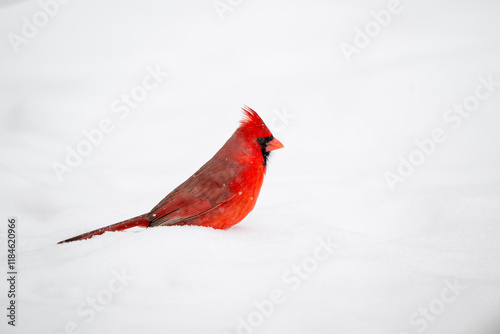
{"points": [[198, 195]]}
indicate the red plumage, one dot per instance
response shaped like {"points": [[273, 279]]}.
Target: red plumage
{"points": [[222, 192]]}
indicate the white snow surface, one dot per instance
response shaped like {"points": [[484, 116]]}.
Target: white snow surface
{"points": [[330, 247]]}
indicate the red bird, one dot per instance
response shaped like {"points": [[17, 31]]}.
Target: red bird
{"points": [[222, 192]]}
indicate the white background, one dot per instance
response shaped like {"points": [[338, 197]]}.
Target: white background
{"points": [[397, 250]]}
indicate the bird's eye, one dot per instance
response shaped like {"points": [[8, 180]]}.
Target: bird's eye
{"points": [[264, 140]]}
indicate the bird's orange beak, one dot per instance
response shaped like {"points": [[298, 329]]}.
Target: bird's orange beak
{"points": [[274, 144]]}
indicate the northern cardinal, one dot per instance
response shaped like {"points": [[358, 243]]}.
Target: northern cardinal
{"points": [[222, 192]]}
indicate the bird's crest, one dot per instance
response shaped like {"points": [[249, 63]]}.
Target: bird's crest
{"points": [[253, 123]]}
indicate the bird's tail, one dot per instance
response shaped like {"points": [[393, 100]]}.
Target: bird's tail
{"points": [[139, 221]]}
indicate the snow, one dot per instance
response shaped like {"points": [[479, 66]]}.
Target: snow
{"points": [[330, 247]]}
